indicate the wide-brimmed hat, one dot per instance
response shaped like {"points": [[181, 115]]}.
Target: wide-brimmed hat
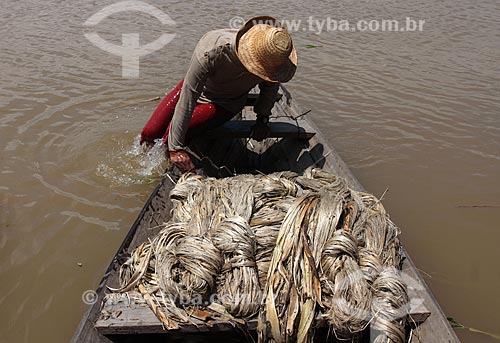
{"points": [[266, 49]]}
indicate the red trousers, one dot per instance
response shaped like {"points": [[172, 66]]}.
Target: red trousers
{"points": [[204, 116]]}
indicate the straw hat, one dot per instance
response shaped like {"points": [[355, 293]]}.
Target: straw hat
{"points": [[266, 49]]}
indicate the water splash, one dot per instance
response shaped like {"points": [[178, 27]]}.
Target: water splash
{"points": [[134, 163]]}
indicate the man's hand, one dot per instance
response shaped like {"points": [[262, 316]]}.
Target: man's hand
{"points": [[260, 131], [182, 160]]}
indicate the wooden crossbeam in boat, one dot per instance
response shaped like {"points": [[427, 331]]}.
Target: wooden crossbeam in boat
{"points": [[243, 129], [131, 315]]}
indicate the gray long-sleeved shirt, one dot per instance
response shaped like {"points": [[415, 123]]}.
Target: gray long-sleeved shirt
{"points": [[216, 75]]}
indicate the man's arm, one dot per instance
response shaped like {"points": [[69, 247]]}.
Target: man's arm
{"points": [[266, 98], [194, 82], [262, 107]]}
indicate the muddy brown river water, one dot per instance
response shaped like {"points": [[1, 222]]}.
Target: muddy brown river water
{"points": [[415, 112]]}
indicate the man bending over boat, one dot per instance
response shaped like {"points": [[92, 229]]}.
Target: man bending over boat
{"points": [[225, 66]]}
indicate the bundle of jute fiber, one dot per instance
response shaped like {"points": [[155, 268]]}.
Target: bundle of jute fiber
{"points": [[239, 281], [284, 249]]}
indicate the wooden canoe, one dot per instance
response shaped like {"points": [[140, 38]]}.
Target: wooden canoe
{"points": [[296, 144]]}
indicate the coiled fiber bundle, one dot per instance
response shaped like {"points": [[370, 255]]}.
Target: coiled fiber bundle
{"points": [[286, 248]]}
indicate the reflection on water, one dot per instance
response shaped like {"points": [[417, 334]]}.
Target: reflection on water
{"points": [[414, 112]]}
